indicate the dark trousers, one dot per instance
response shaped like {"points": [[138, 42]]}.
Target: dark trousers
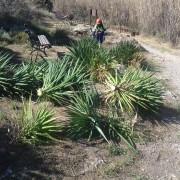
{"points": [[100, 37]]}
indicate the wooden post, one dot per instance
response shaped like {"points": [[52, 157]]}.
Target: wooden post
{"points": [[90, 17], [96, 14], [93, 14]]}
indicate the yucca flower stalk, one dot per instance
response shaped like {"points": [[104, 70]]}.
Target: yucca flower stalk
{"points": [[135, 89], [61, 80]]}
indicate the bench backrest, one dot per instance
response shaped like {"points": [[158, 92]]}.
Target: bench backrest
{"points": [[43, 40], [32, 37]]}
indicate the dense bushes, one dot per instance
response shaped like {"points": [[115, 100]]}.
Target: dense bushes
{"points": [[15, 8], [53, 81], [71, 82], [47, 4], [13, 37], [128, 89], [5, 36], [125, 52], [99, 62], [20, 38]]}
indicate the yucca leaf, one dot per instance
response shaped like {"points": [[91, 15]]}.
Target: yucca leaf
{"points": [[5, 72], [61, 80]]}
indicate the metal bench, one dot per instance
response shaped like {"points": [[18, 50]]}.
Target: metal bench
{"points": [[38, 44], [43, 43]]}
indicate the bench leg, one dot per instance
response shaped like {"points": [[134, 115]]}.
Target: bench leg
{"points": [[38, 49], [44, 51], [36, 56], [33, 50]]}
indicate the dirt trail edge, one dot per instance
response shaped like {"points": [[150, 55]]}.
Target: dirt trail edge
{"points": [[169, 67], [161, 159]]}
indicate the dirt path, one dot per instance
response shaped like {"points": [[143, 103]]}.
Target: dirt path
{"points": [[161, 160], [169, 66]]}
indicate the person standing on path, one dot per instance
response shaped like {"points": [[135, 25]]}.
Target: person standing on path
{"points": [[98, 31]]}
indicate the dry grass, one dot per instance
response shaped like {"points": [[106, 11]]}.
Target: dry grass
{"points": [[156, 17]]}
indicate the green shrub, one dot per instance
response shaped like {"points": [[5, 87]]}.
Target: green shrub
{"points": [[86, 121], [55, 81], [125, 51], [20, 38], [13, 36], [37, 125], [61, 80], [5, 36], [135, 89]]}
